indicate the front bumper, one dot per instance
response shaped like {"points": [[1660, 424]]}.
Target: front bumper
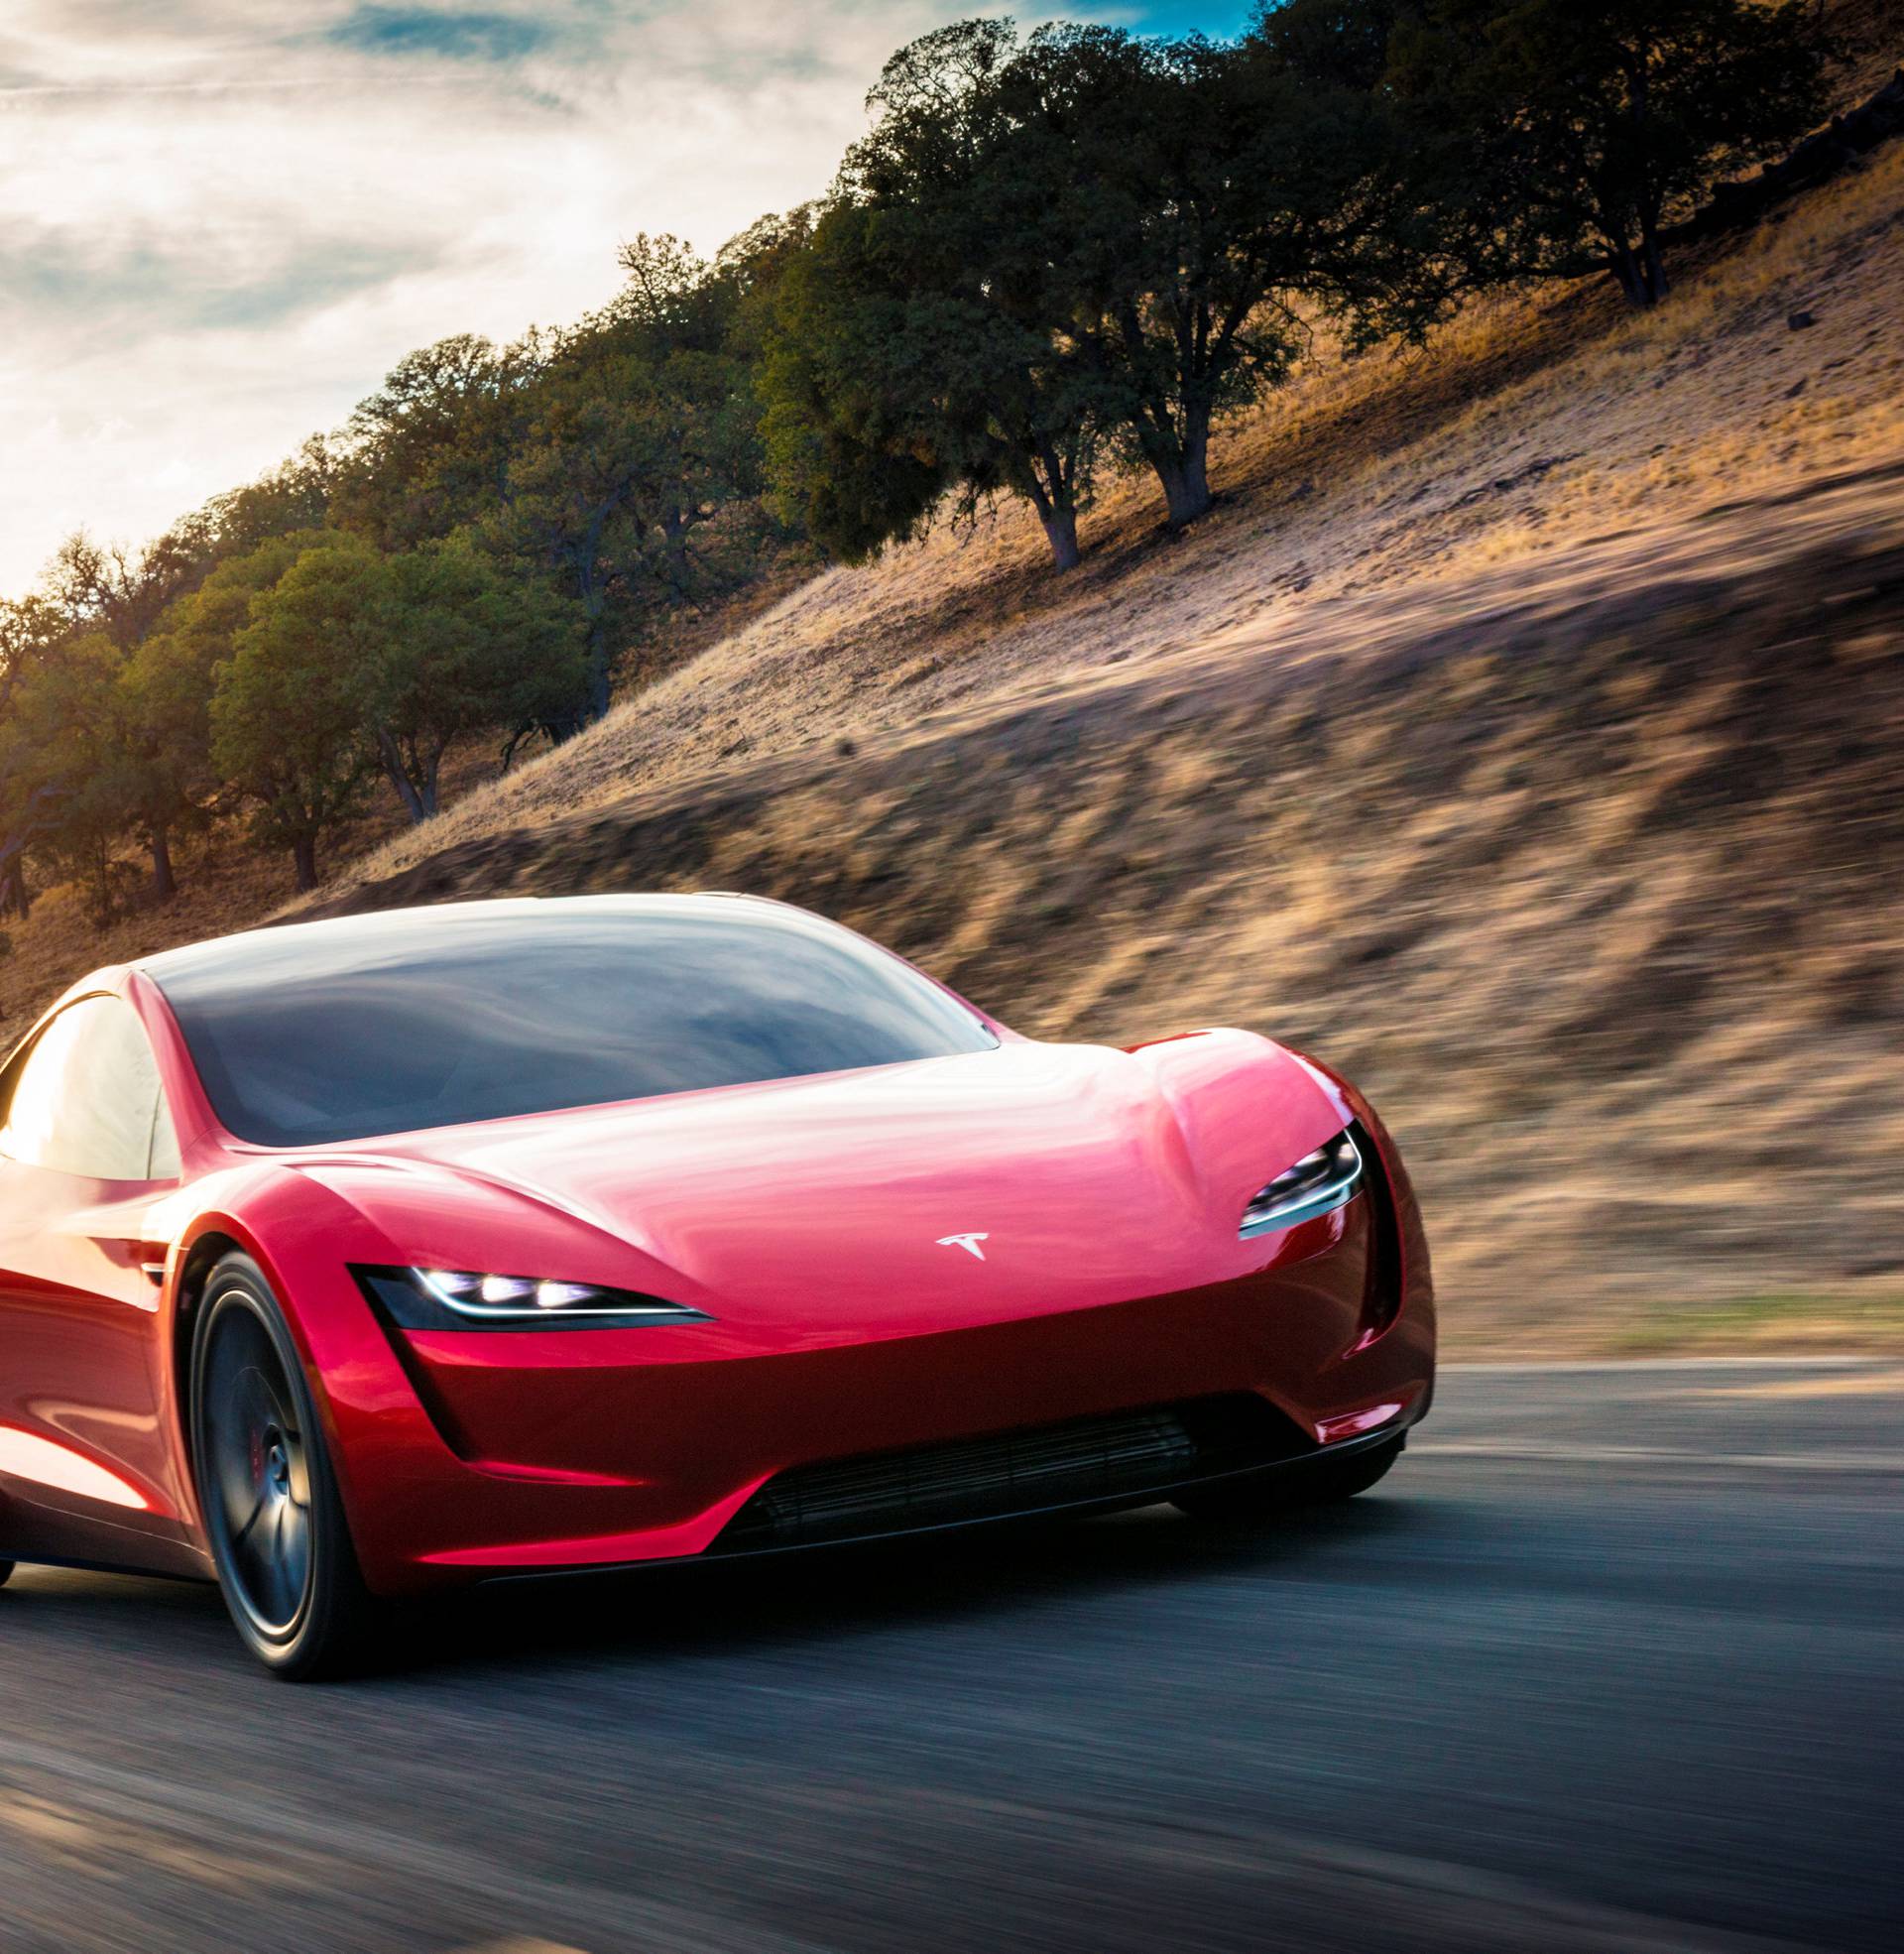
{"points": [[1092, 1465], [480, 1456], [739, 1541]]}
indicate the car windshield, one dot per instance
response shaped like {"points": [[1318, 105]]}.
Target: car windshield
{"points": [[331, 1031]]}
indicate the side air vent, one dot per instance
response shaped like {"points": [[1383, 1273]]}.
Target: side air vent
{"points": [[1381, 1298], [1084, 1460]]}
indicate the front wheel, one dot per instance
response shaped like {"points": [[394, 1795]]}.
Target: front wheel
{"points": [[1314, 1482], [272, 1517]]}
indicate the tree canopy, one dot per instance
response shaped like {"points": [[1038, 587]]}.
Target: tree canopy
{"points": [[1575, 132], [290, 703], [459, 647], [1053, 251]]}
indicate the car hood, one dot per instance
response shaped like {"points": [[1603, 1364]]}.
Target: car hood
{"points": [[970, 1188]]}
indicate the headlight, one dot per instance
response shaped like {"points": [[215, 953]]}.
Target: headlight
{"points": [[1320, 1182], [469, 1300]]}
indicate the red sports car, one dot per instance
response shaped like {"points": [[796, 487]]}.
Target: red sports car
{"points": [[345, 1260]]}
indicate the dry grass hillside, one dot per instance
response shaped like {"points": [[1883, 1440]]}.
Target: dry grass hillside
{"points": [[1523, 731], [1590, 874]]}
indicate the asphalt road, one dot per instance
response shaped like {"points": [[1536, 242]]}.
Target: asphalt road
{"points": [[1614, 1659]]}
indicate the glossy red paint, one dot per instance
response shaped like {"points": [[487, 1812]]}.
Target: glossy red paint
{"points": [[88, 1466], [806, 1217]]}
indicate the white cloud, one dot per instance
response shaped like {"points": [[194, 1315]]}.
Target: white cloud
{"points": [[223, 220]]}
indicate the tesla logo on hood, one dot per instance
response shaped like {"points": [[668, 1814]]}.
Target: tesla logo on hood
{"points": [[970, 1243]]}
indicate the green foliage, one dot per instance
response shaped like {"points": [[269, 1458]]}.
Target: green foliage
{"points": [[851, 461], [1337, 43], [751, 266], [588, 456], [430, 449], [921, 339], [575, 480], [638, 428], [294, 496], [165, 686], [462, 648], [80, 776], [314, 660], [1229, 196], [107, 588], [69, 760], [289, 704], [31, 631], [1081, 242], [1578, 130], [949, 239], [97, 751]]}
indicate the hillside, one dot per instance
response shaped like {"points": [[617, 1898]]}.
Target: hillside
{"points": [[1523, 731]]}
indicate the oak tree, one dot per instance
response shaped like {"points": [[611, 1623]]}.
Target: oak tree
{"points": [[289, 706], [1583, 129]]}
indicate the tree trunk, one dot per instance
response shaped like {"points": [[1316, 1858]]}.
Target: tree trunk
{"points": [[1652, 265], [304, 856], [585, 560], [15, 898], [675, 529], [164, 884], [1182, 465], [389, 757], [597, 667], [432, 771], [1172, 424], [1061, 532], [1633, 276], [1186, 487], [1054, 495]]}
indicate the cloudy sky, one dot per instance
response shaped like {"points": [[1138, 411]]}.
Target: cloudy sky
{"points": [[223, 220]]}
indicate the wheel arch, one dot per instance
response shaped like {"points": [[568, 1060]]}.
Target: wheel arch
{"points": [[201, 1256], [304, 1236], [211, 1236], [207, 1252]]}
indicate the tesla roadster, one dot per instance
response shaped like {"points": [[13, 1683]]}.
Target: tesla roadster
{"points": [[347, 1260]]}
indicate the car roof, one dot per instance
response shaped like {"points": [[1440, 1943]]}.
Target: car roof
{"points": [[387, 931]]}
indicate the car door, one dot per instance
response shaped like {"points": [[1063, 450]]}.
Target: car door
{"points": [[88, 1468]]}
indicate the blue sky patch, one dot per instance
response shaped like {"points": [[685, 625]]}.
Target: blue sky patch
{"points": [[1174, 17], [459, 36]]}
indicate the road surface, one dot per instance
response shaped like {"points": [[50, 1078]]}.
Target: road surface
{"points": [[1614, 1659]]}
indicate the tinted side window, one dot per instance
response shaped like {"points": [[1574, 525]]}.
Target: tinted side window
{"points": [[85, 1099]]}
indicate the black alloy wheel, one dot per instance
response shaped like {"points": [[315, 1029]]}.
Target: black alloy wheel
{"points": [[272, 1514]]}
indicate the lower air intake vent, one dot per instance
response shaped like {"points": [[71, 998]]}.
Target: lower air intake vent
{"points": [[1111, 1457]]}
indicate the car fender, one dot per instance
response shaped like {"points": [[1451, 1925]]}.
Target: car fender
{"points": [[303, 1235]]}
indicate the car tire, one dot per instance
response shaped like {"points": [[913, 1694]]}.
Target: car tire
{"points": [[1317, 1482], [273, 1516]]}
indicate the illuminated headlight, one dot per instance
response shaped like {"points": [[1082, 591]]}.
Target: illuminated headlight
{"points": [[1319, 1182], [469, 1300]]}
